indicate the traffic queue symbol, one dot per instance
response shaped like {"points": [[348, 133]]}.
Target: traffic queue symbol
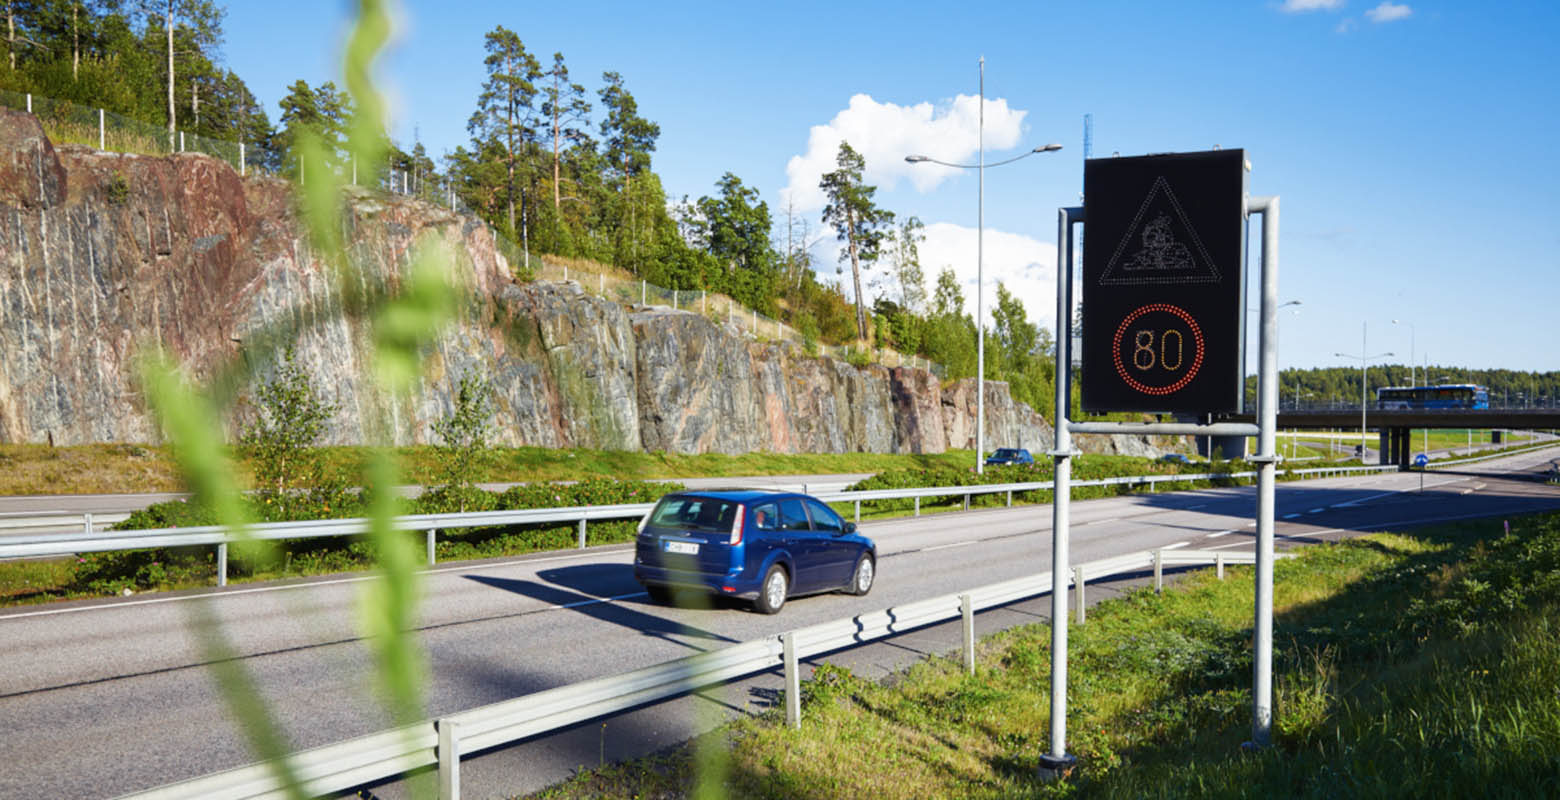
{"points": [[1161, 246], [1158, 349]]}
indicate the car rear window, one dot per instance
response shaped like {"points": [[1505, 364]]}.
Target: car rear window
{"points": [[694, 513]]}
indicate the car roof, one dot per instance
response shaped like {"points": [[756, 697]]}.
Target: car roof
{"points": [[736, 495]]}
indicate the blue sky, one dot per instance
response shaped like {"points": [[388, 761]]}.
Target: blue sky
{"points": [[1414, 144]]}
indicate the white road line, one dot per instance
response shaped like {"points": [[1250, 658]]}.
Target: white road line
{"points": [[1174, 546], [1316, 511], [1194, 508], [1220, 533], [1290, 516], [1231, 544], [946, 546], [1251, 524], [1466, 491]]}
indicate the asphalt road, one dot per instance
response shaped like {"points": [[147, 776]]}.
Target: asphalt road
{"points": [[106, 697]]}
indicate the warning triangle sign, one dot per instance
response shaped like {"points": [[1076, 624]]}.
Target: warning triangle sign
{"points": [[1160, 246]]}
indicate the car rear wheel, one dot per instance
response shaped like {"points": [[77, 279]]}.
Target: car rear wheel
{"points": [[772, 592], [861, 580]]}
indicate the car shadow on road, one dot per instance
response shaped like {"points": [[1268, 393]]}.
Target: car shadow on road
{"points": [[601, 607]]}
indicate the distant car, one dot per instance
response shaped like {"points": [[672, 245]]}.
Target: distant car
{"points": [[760, 546], [1175, 458], [1010, 455]]}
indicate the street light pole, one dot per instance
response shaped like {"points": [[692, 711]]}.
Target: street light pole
{"points": [[1364, 365], [980, 281], [1410, 325], [980, 259]]}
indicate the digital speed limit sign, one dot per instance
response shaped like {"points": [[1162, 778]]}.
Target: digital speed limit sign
{"points": [[1162, 295]]}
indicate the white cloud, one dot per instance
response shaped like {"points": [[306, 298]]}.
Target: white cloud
{"points": [[1389, 12], [884, 133], [1026, 266], [1302, 6]]}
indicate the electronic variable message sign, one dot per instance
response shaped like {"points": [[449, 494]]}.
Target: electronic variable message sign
{"points": [[1163, 293]]}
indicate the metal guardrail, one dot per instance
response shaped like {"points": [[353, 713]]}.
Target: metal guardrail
{"points": [[56, 544], [441, 743], [87, 521]]}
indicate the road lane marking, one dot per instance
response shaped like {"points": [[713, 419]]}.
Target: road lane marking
{"points": [[1290, 516], [1194, 508], [1174, 546], [1316, 511], [1231, 544], [1220, 533], [946, 546], [1251, 524]]}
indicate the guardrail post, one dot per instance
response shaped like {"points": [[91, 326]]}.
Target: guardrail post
{"points": [[858, 510], [793, 681], [1218, 565], [966, 501], [432, 533], [1159, 571], [29, 102], [967, 609], [102, 138], [241, 163], [86, 524], [918, 505], [449, 759], [1078, 592], [582, 534], [1010, 498], [222, 564]]}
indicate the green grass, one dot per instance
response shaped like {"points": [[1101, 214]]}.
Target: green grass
{"points": [[1415, 665]]}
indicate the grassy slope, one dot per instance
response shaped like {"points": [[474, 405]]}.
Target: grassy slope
{"points": [[1406, 666], [27, 469]]}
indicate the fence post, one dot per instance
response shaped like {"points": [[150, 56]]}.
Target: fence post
{"points": [[449, 760], [967, 610], [918, 505], [29, 102], [181, 141], [1077, 592], [1010, 498], [858, 510], [674, 299], [755, 322], [242, 167], [354, 169], [1159, 571], [432, 533], [704, 301], [102, 141], [1218, 565], [793, 681], [565, 273], [222, 564], [582, 534], [642, 293], [966, 501]]}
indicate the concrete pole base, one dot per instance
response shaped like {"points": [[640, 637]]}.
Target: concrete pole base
{"points": [[1056, 768]]}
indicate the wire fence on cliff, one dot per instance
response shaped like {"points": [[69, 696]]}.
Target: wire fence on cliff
{"points": [[67, 122]]}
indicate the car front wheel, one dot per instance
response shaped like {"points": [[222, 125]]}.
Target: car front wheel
{"points": [[861, 579], [772, 593]]}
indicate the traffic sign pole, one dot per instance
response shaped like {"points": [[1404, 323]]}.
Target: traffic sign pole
{"points": [[1057, 763]]}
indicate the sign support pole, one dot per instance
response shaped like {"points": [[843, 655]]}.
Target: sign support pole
{"points": [[1056, 763], [1267, 421]]}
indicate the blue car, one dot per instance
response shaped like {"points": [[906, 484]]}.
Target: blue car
{"points": [[1010, 455], [759, 546]]}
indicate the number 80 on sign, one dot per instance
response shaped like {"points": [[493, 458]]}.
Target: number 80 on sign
{"points": [[1158, 349]]}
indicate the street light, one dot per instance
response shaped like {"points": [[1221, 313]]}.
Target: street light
{"points": [[1364, 363], [1410, 325], [980, 254]]}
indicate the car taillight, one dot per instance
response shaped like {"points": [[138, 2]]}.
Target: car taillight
{"points": [[736, 526]]}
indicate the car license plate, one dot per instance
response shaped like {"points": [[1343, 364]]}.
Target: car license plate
{"points": [[682, 547]]}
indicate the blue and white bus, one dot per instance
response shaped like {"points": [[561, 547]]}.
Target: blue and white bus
{"points": [[1447, 395]]}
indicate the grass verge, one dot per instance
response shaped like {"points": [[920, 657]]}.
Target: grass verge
{"points": [[1415, 665]]}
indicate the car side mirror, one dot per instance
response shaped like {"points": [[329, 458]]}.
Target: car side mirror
{"points": [[850, 527]]}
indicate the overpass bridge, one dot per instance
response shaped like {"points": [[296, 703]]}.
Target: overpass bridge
{"points": [[1394, 426]]}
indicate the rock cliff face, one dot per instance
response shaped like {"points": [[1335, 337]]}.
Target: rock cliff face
{"points": [[102, 252]]}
